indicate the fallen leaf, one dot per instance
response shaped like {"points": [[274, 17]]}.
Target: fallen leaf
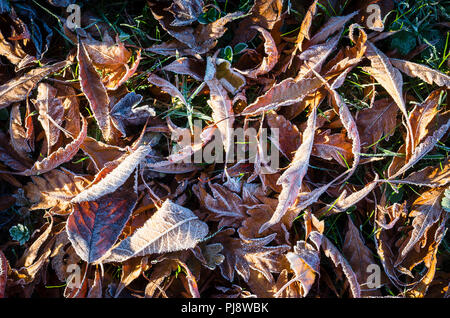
{"points": [[93, 227], [292, 178], [338, 259], [171, 228], [425, 73], [51, 111], [243, 255], [359, 257], [268, 61], [389, 77], [3, 274], [18, 89]]}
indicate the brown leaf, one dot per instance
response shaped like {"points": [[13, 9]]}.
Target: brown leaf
{"points": [[269, 61], [338, 259], [50, 110], [112, 176], [186, 12], [437, 176], [422, 149], [359, 256], [292, 178], [10, 157], [305, 27], [59, 156], [430, 260], [426, 211], [260, 214], [242, 255], [225, 206], [378, 121], [198, 40], [344, 202], [32, 252], [167, 87], [389, 77], [71, 108], [53, 189], [421, 118], [315, 56], [425, 73], [389, 221], [95, 92], [95, 290], [3, 274], [111, 58], [289, 137], [333, 25], [101, 153], [14, 52], [287, 92], [264, 13], [221, 105], [18, 89], [305, 262], [93, 227], [18, 134], [349, 124], [131, 270], [332, 146], [187, 66]]}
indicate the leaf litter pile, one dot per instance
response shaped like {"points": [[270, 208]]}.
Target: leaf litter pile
{"points": [[97, 198]]}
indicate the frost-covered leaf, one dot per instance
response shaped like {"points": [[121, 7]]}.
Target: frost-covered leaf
{"points": [[423, 72], [95, 92], [18, 89], [51, 111], [167, 87], [359, 256], [287, 92], [333, 25], [339, 261], [187, 66], [221, 105], [51, 190], [426, 211], [332, 146], [263, 13], [305, 262], [127, 112], [59, 156], [171, 228], [389, 77], [378, 121], [243, 255], [112, 176], [268, 61], [292, 178]]}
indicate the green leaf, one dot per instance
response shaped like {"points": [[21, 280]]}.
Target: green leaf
{"points": [[19, 233], [227, 54], [404, 42], [238, 48], [445, 203]]}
